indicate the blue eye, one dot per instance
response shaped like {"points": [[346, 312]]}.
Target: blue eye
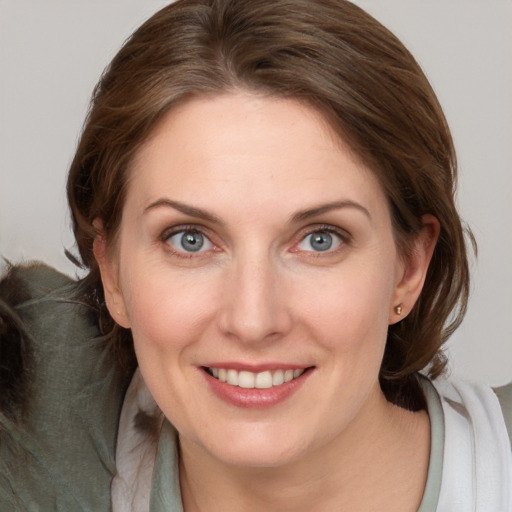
{"points": [[189, 241], [320, 241]]}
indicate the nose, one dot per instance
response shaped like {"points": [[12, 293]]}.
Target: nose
{"points": [[254, 307]]}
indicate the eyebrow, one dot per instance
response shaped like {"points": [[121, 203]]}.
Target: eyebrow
{"points": [[300, 216], [192, 211], [324, 208]]}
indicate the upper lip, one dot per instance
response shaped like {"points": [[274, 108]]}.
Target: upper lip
{"points": [[256, 368]]}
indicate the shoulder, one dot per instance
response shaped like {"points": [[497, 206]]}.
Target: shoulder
{"points": [[476, 401], [477, 452], [478, 398], [61, 393]]}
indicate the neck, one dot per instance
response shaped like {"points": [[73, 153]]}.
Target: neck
{"points": [[379, 462]]}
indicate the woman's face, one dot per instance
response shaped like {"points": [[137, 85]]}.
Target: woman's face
{"points": [[255, 248]]}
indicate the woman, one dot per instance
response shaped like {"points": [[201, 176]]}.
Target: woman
{"points": [[263, 198]]}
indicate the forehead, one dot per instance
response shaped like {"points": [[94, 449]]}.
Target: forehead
{"points": [[235, 144]]}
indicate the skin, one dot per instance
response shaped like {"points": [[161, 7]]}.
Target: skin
{"points": [[259, 292]]}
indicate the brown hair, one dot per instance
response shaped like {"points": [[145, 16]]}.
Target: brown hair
{"points": [[328, 53]]}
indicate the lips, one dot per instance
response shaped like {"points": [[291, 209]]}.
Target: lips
{"points": [[255, 387], [252, 380]]}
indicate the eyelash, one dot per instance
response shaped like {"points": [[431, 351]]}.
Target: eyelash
{"points": [[344, 237]]}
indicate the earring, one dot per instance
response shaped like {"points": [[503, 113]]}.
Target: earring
{"points": [[398, 309]]}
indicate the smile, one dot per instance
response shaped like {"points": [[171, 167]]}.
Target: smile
{"points": [[250, 380]]}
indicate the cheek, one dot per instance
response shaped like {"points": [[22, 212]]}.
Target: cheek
{"points": [[166, 309], [169, 316], [350, 310]]}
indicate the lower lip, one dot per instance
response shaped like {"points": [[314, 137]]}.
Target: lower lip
{"points": [[255, 398]]}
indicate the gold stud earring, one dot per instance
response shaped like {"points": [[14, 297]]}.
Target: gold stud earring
{"points": [[398, 309]]}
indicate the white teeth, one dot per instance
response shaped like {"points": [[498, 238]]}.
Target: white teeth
{"points": [[232, 377], [245, 379], [288, 375], [250, 380], [263, 380], [278, 378]]}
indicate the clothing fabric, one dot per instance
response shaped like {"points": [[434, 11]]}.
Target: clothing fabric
{"points": [[136, 450], [60, 454], [477, 465]]}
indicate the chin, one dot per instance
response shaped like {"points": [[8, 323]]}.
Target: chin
{"points": [[250, 447], [258, 456]]}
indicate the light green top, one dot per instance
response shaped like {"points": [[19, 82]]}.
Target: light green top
{"points": [[435, 466]]}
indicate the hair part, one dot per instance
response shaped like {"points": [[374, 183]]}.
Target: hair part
{"points": [[329, 54]]}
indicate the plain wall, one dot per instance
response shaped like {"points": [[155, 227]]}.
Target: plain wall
{"points": [[53, 51]]}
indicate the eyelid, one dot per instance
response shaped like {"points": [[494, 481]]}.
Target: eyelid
{"points": [[178, 228]]}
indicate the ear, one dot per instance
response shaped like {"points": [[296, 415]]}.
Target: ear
{"points": [[412, 272], [109, 277]]}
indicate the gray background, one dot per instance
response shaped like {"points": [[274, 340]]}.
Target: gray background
{"points": [[53, 51]]}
